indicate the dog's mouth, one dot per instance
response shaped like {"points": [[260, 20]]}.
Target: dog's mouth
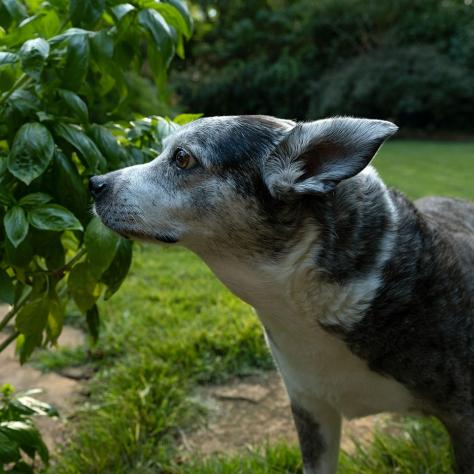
{"points": [[126, 230], [132, 234], [125, 225]]}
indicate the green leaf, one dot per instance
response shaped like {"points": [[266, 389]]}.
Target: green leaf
{"points": [[8, 58], [115, 154], [18, 256], [125, 15], [174, 17], [160, 31], [120, 11], [76, 104], [53, 217], [68, 34], [26, 436], [6, 197], [31, 321], [113, 77], [102, 44], [24, 102], [158, 67], [16, 225], [47, 22], [101, 245], [16, 10], [9, 451], [31, 152], [118, 269], [165, 127], [182, 7], [77, 61], [85, 12], [55, 318], [83, 286], [66, 176], [33, 55], [183, 119], [93, 322], [34, 199], [7, 290], [26, 344], [47, 244], [36, 406], [93, 158], [32, 317]]}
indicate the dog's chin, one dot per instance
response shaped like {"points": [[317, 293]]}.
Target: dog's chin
{"points": [[164, 238], [130, 233]]}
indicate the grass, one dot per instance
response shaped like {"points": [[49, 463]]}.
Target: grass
{"points": [[173, 325], [422, 449], [420, 168]]}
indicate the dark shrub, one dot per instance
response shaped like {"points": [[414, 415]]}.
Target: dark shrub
{"points": [[413, 86], [410, 60]]}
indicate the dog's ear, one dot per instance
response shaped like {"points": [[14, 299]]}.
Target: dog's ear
{"points": [[315, 156]]}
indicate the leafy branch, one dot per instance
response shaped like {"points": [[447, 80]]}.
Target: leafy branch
{"points": [[60, 272], [64, 73]]}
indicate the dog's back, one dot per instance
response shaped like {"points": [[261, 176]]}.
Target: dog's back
{"points": [[454, 220]]}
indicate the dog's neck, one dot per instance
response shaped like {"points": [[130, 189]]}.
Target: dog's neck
{"points": [[331, 268]]}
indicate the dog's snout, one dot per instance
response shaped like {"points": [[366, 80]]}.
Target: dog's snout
{"points": [[97, 186]]}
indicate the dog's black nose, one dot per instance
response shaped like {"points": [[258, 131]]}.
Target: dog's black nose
{"points": [[97, 186]]}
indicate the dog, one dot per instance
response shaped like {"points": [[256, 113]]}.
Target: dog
{"points": [[366, 299]]}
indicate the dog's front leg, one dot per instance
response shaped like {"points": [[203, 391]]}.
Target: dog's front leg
{"points": [[461, 431], [319, 429]]}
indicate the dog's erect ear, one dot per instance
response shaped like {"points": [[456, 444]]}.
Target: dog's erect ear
{"points": [[315, 156]]}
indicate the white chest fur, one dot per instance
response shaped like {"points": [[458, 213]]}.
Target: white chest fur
{"points": [[312, 362], [315, 364]]}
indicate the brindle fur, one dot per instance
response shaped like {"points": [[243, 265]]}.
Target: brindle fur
{"points": [[264, 185]]}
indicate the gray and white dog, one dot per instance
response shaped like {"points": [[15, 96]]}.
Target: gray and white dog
{"points": [[367, 300]]}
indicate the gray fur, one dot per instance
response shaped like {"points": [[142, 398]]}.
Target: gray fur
{"points": [[274, 200]]}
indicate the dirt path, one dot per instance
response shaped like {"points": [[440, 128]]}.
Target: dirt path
{"points": [[243, 413], [62, 392], [252, 411]]}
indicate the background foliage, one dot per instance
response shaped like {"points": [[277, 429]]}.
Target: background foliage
{"points": [[411, 61]]}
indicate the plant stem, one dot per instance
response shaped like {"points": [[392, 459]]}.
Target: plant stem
{"points": [[22, 81], [9, 340], [73, 260], [67, 266], [11, 314]]}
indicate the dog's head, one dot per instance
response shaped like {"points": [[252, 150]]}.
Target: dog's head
{"points": [[230, 182]]}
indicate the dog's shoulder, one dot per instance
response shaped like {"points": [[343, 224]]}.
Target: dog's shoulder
{"points": [[452, 221]]}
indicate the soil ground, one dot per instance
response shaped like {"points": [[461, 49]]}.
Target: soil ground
{"points": [[248, 412]]}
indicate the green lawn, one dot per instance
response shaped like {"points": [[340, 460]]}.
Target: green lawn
{"points": [[173, 325], [421, 168]]}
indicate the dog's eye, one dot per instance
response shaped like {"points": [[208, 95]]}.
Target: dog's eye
{"points": [[183, 159]]}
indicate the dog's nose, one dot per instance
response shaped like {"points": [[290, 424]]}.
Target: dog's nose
{"points": [[97, 186]]}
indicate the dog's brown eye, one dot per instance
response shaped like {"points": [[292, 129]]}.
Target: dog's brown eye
{"points": [[183, 159]]}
